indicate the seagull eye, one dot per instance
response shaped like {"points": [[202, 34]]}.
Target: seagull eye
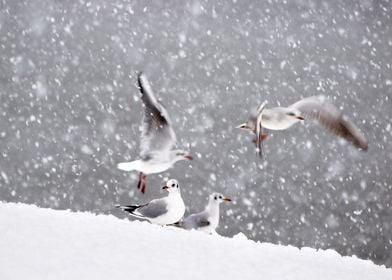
{"points": [[291, 114], [215, 198], [173, 185], [220, 197]]}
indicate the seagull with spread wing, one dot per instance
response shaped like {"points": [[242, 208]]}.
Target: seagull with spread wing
{"points": [[158, 140], [314, 108]]}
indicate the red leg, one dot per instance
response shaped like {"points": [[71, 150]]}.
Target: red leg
{"points": [[261, 138], [259, 143], [143, 190], [141, 186]]}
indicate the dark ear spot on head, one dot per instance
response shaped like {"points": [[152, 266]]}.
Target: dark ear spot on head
{"points": [[215, 197]]}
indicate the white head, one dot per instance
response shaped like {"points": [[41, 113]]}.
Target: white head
{"points": [[177, 155], [293, 113], [249, 125], [218, 198], [171, 186]]}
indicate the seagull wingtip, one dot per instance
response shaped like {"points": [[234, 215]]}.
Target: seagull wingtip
{"points": [[364, 147]]}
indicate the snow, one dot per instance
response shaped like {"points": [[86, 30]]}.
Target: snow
{"points": [[43, 244], [70, 111]]}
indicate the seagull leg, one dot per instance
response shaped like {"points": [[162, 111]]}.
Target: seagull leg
{"points": [[144, 185], [141, 186], [262, 137]]}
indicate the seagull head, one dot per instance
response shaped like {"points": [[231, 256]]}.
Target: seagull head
{"points": [[171, 186], [180, 155], [249, 125], [294, 114], [218, 198]]}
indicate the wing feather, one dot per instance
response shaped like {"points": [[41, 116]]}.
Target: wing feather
{"points": [[319, 109], [196, 221], [157, 133], [155, 208]]}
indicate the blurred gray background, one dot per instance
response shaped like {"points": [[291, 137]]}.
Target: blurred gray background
{"points": [[70, 111]]}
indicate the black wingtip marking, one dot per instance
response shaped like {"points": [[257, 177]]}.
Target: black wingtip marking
{"points": [[177, 224], [204, 223], [140, 82], [128, 208]]}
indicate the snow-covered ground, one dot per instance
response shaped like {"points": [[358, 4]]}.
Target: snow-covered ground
{"points": [[41, 244]]}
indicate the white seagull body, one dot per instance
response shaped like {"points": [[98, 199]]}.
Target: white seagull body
{"points": [[206, 221], [315, 108], [158, 140], [161, 211]]}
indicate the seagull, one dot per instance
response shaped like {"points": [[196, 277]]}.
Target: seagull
{"points": [[158, 140], [314, 108], [160, 211], [206, 221]]}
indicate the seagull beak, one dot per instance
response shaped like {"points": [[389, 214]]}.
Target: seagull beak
{"points": [[165, 187], [300, 118], [188, 157], [226, 199]]}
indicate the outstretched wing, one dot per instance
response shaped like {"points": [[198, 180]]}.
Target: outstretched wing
{"points": [[157, 133], [319, 109]]}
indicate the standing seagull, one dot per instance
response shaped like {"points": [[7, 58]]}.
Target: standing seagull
{"points": [[161, 211], [207, 220], [315, 108], [158, 140]]}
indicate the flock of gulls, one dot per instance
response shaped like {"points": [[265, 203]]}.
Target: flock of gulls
{"points": [[158, 152]]}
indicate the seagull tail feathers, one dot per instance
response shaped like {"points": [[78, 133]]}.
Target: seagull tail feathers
{"points": [[128, 166], [128, 208], [177, 224]]}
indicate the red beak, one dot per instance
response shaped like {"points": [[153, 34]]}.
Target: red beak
{"points": [[188, 157], [165, 187], [226, 199]]}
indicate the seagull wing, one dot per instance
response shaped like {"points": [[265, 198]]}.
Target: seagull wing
{"points": [[153, 209], [196, 221], [319, 109], [157, 133]]}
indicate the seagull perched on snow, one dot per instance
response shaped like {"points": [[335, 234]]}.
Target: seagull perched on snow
{"points": [[161, 211], [158, 140], [315, 108], [207, 220]]}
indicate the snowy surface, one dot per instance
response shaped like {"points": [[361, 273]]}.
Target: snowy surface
{"points": [[70, 110], [42, 244]]}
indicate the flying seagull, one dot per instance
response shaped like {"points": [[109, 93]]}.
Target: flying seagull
{"points": [[158, 141], [161, 211], [207, 220], [314, 108]]}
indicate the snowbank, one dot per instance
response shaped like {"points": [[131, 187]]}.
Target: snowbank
{"points": [[41, 243]]}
